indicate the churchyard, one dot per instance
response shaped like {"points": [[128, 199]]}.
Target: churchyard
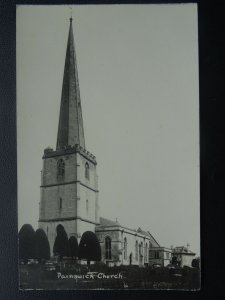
{"points": [[53, 275]]}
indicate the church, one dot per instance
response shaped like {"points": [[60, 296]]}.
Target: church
{"points": [[69, 186]]}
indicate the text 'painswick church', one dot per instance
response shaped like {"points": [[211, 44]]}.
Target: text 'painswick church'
{"points": [[69, 186]]}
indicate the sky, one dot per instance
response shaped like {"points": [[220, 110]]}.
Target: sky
{"points": [[138, 76]]}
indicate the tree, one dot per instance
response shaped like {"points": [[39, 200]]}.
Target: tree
{"points": [[60, 247], [26, 242], [42, 248], [196, 263], [174, 260], [73, 247], [89, 247]]}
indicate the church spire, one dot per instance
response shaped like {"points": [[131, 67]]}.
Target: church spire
{"points": [[70, 129]]}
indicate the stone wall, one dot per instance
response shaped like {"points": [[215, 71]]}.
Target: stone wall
{"points": [[125, 253], [71, 199], [115, 244], [50, 203]]}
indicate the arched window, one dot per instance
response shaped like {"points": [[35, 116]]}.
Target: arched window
{"points": [[60, 203], [139, 252], [60, 168], [136, 250], [146, 251], [125, 248], [87, 170], [130, 258], [107, 248]]}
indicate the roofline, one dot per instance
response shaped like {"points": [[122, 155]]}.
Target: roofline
{"points": [[120, 227], [162, 247], [186, 253]]}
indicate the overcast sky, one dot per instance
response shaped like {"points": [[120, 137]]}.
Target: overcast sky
{"points": [[138, 74]]}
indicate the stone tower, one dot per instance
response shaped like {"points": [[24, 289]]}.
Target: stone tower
{"points": [[69, 187]]}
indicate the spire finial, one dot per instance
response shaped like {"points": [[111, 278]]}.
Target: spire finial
{"points": [[71, 14]]}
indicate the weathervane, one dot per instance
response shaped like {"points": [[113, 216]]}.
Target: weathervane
{"points": [[71, 14]]}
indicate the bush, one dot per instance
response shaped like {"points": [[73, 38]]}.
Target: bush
{"points": [[60, 247], [26, 242], [42, 248], [174, 260], [99, 266], [72, 247], [89, 247]]}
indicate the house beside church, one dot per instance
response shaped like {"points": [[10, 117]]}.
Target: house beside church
{"points": [[69, 186], [160, 255], [184, 256]]}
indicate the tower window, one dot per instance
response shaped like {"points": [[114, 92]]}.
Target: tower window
{"points": [[108, 254], [60, 168], [87, 171], [87, 206], [60, 203]]}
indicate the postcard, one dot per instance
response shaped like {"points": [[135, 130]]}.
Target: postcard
{"points": [[108, 147]]}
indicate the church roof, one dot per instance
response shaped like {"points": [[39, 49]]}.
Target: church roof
{"points": [[143, 232], [70, 128], [146, 233], [107, 222]]}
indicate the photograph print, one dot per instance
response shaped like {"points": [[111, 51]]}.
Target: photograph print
{"points": [[108, 147]]}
